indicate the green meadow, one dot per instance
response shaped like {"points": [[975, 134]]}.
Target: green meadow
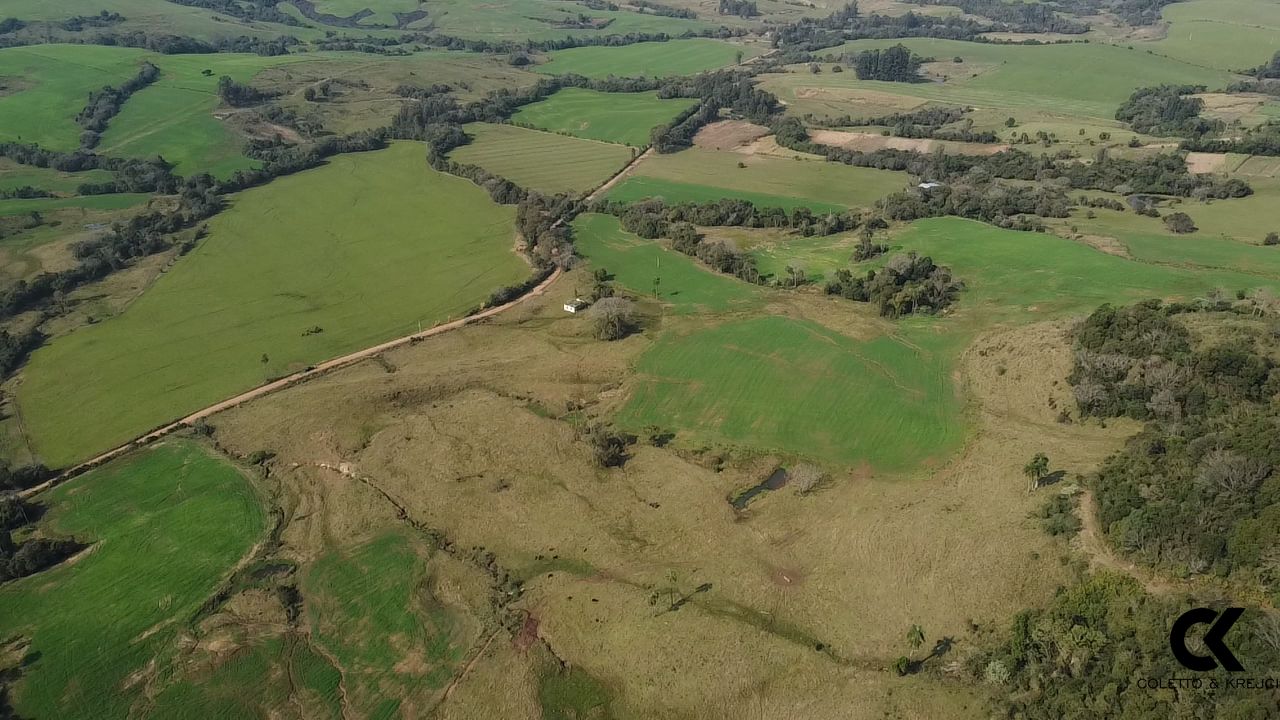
{"points": [[47, 85], [115, 201], [174, 117], [638, 187], [280, 283], [789, 385], [275, 675], [373, 612], [635, 263], [783, 384], [166, 525], [542, 20], [623, 118], [650, 59], [805, 181], [154, 17], [1074, 79], [13, 175], [1225, 34], [542, 161]]}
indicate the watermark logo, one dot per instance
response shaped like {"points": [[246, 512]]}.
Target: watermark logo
{"points": [[1220, 624]]}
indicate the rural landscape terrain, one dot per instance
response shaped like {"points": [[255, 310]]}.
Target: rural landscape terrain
{"points": [[632, 359]]}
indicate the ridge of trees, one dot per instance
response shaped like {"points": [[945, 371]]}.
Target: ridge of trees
{"points": [[1163, 174], [1016, 16], [105, 104], [252, 11], [1261, 140], [927, 123]]}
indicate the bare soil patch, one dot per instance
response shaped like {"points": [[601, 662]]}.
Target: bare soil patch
{"points": [[1201, 163], [728, 134], [870, 142]]}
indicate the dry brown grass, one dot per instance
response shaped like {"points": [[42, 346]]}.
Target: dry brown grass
{"points": [[472, 434], [871, 142], [728, 134], [1203, 163]]}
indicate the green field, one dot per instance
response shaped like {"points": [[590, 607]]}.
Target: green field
{"points": [[828, 184], [635, 262], [794, 386], [49, 84], [13, 175], [115, 201], [538, 20], [410, 246], [383, 10], [638, 187], [1076, 79], [1224, 34], [651, 59], [786, 385], [166, 524], [541, 161], [154, 17], [173, 117], [373, 612], [612, 117]]}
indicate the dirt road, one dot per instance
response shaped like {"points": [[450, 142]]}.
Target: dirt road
{"points": [[288, 381]]}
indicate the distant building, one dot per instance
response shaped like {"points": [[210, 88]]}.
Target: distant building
{"points": [[575, 306], [929, 185]]}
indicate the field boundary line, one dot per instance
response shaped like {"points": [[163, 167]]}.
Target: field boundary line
{"points": [[288, 381], [620, 175]]}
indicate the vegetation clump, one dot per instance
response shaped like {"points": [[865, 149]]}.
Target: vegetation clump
{"points": [[906, 284], [1197, 491]]}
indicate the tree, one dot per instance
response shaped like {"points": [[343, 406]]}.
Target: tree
{"points": [[1180, 223], [1271, 239], [1036, 470], [614, 318]]}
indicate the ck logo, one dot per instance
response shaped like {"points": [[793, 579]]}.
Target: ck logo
{"points": [[1219, 625]]}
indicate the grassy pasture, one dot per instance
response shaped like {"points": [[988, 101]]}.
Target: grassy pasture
{"points": [[383, 10], [541, 161], [263, 678], [538, 20], [14, 175], [623, 118], [411, 246], [794, 386], [49, 84], [362, 91], [155, 17], [1077, 80], [166, 523], [116, 201], [658, 59], [802, 180], [174, 117], [372, 612], [636, 187], [1224, 34], [787, 385], [635, 262]]}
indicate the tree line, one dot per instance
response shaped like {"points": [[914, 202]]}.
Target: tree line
{"points": [[1016, 16], [105, 104], [1162, 174]]}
